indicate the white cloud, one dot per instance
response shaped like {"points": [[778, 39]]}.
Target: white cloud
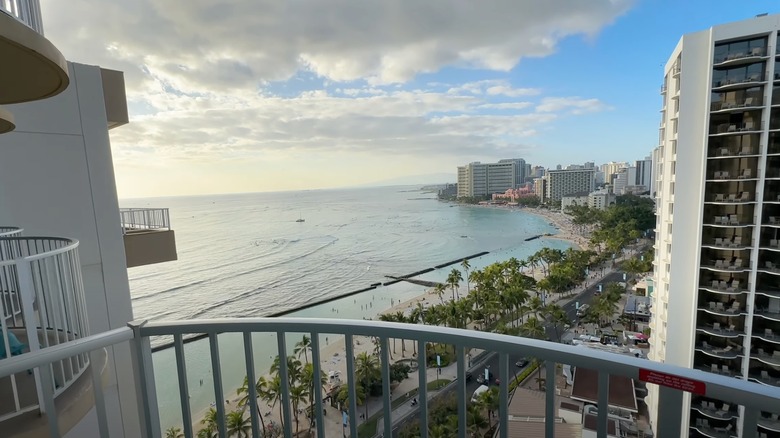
{"points": [[208, 75], [574, 105]]}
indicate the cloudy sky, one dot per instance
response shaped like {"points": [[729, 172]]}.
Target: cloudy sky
{"points": [[265, 95]]}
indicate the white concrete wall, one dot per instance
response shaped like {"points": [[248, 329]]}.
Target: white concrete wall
{"points": [[57, 179]]}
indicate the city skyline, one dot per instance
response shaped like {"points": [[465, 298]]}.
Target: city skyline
{"points": [[279, 99]]}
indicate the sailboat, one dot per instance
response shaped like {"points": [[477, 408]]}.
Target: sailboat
{"points": [[300, 219]]}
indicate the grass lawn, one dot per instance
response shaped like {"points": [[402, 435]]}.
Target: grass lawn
{"points": [[368, 429], [438, 384]]}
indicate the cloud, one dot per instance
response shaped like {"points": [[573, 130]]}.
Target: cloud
{"points": [[242, 43], [574, 105]]}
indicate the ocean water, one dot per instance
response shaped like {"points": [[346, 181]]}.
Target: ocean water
{"points": [[244, 255]]}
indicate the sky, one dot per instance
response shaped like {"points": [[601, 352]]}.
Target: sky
{"points": [[268, 95]]}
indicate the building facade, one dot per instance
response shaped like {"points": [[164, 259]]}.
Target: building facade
{"points": [[643, 173], [574, 199], [565, 182], [717, 283], [611, 169], [601, 199], [484, 179]]}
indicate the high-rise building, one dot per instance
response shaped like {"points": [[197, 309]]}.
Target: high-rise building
{"points": [[611, 169], [483, 179], [565, 182], [620, 181], [717, 301], [657, 156], [643, 173]]}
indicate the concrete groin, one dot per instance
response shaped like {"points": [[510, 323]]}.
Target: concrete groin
{"points": [[444, 265]]}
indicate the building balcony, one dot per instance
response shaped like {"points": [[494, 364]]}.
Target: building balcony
{"points": [[173, 390], [731, 198], [727, 352], [715, 410], [723, 309], [34, 68], [723, 331], [735, 106], [743, 57], [769, 422], [726, 176], [738, 82], [769, 267], [43, 304], [766, 334], [767, 313], [7, 121], [734, 244], [764, 377], [773, 221], [704, 427], [148, 236], [769, 358], [734, 152], [725, 287], [736, 265]]}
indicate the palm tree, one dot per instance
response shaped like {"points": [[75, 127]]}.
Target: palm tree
{"points": [[210, 420], [388, 318], [439, 289], [466, 266], [454, 280], [400, 317], [238, 425], [303, 347], [343, 396], [558, 318], [313, 385], [474, 420], [533, 328], [173, 432], [490, 401], [261, 389], [367, 371]]}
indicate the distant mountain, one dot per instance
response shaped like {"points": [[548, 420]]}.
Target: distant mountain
{"points": [[429, 179]]}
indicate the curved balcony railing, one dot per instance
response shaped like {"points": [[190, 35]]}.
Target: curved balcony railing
{"points": [[10, 231], [43, 305], [671, 379], [26, 11]]}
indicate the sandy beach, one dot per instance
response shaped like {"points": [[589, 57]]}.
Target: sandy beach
{"points": [[333, 350]]}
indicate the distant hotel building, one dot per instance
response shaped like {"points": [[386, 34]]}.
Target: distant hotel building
{"points": [[611, 169], [484, 179], [560, 183], [717, 260]]}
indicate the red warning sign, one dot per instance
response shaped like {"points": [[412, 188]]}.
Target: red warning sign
{"points": [[672, 381]]}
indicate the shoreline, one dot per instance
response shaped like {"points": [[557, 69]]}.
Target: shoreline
{"points": [[333, 351]]}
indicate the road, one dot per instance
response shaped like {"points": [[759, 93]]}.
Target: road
{"points": [[491, 360]]}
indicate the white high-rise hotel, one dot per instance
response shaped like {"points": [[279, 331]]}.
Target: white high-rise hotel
{"points": [[717, 302]]}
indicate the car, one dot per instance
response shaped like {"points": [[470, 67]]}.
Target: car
{"points": [[522, 362], [468, 376]]}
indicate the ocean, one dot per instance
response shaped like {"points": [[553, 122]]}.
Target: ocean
{"points": [[246, 255]]}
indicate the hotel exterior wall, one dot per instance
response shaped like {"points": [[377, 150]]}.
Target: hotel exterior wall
{"points": [[680, 214], [57, 178]]}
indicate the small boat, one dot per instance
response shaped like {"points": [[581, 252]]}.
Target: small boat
{"points": [[300, 219]]}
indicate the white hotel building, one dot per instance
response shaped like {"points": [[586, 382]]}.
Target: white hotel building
{"points": [[717, 275]]}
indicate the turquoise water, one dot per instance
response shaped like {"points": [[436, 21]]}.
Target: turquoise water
{"points": [[245, 255]]}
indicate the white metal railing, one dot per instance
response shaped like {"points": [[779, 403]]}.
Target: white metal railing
{"points": [[753, 398], [26, 11], [10, 231], [134, 219], [43, 305]]}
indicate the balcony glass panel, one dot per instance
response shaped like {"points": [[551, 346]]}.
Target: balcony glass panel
{"points": [[774, 143], [719, 238], [735, 100], [738, 75], [738, 169], [763, 373], [739, 49], [733, 146], [727, 214], [735, 122]]}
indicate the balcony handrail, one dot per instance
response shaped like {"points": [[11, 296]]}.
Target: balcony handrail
{"points": [[144, 219], [10, 231], [754, 397], [69, 244], [25, 11]]}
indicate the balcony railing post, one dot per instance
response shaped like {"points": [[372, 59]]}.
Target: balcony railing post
{"points": [[27, 297], [549, 409], [251, 381], [351, 383], [670, 408], [461, 390], [503, 394], [315, 360], [219, 393], [184, 391], [97, 388], [144, 381], [422, 376], [750, 423], [386, 407], [46, 387], [603, 405]]}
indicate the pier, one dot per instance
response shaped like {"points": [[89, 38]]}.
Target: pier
{"points": [[413, 281]]}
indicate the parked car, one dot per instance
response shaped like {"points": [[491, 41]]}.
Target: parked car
{"points": [[522, 362]]}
